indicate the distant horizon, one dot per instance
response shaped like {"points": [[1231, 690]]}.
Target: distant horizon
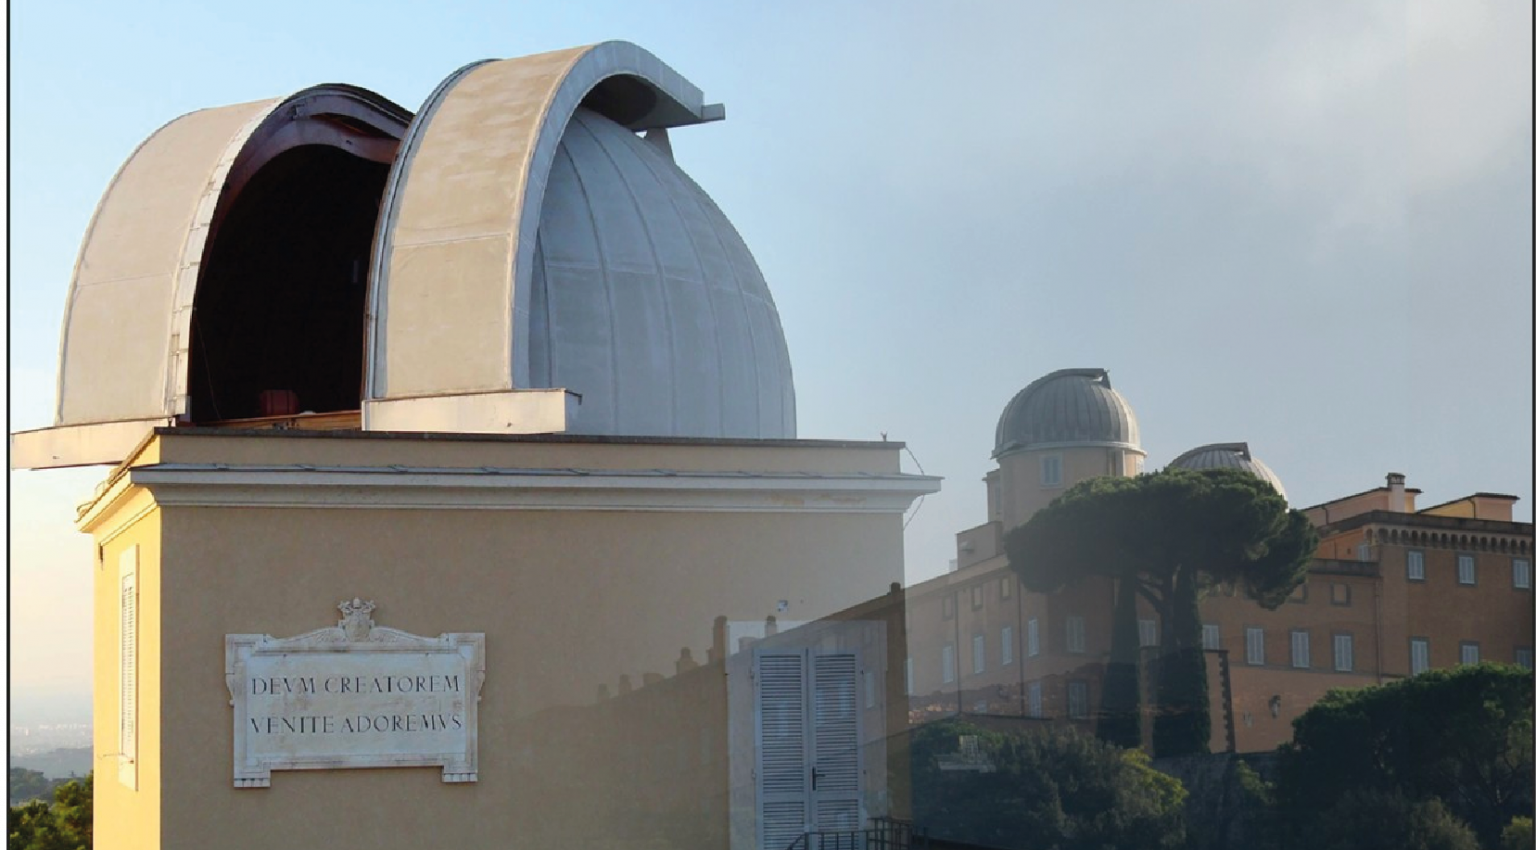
{"points": [[32, 709]]}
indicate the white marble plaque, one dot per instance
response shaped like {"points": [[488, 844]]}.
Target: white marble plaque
{"points": [[356, 695]]}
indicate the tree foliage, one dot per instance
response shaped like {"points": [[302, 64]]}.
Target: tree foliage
{"points": [[1054, 788], [1518, 835], [1461, 737], [25, 785], [1387, 820], [1169, 535], [64, 824]]}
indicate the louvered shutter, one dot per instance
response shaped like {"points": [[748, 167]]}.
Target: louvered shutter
{"points": [[835, 744], [782, 771], [128, 668]]}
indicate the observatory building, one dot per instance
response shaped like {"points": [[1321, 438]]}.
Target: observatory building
{"points": [[1393, 590], [456, 492]]}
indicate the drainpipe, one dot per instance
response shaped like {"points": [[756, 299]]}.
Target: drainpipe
{"points": [[1021, 643], [1376, 593], [959, 671]]}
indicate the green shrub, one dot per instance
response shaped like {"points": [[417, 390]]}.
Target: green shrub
{"points": [[1042, 789], [1517, 835]]}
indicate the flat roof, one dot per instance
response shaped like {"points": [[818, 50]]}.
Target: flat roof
{"points": [[589, 439], [1414, 490]]}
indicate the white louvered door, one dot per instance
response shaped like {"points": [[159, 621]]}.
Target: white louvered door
{"points": [[835, 762], [783, 776], [808, 772]]}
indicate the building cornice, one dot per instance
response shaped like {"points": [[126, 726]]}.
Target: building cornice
{"points": [[1014, 449], [487, 488], [1427, 521]]}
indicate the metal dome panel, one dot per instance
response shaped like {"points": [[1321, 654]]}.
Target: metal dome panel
{"points": [[1068, 407], [1228, 456], [532, 250], [647, 302]]}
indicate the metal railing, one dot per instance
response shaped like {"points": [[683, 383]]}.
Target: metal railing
{"points": [[881, 834]]}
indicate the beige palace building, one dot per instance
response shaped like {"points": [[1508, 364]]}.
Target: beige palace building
{"points": [[455, 485], [1394, 589]]}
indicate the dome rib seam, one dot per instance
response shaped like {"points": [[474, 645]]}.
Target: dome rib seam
{"points": [[611, 335], [703, 280], [661, 278]]}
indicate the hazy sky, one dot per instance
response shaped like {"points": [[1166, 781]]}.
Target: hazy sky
{"points": [[1303, 225]]}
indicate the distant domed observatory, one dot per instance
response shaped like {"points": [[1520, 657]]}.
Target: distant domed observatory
{"points": [[521, 256], [1228, 456], [1068, 426]]}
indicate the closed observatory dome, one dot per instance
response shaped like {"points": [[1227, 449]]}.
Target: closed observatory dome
{"points": [[646, 301], [1069, 407], [1227, 456]]}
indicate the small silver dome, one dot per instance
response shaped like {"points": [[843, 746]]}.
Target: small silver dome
{"points": [[1068, 407], [1227, 456]]}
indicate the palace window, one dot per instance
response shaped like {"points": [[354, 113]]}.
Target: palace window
{"points": [[1210, 636], [1471, 653], [1523, 656], [948, 663], [1415, 565], [1005, 587], [1522, 571], [1147, 631], [1254, 638], [1338, 593], [1077, 635], [1077, 699], [1344, 653], [1301, 649], [1007, 645], [977, 597], [1418, 655], [1466, 569], [1036, 709], [978, 653], [949, 606], [1032, 634]]}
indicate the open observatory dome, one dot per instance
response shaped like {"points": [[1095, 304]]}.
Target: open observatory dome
{"points": [[521, 256]]}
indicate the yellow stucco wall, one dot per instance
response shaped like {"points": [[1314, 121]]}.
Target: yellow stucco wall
{"points": [[127, 817], [1498, 508], [569, 600], [1022, 491]]}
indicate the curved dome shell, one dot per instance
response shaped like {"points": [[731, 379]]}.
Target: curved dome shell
{"points": [[1069, 407], [1227, 456], [125, 349], [540, 267], [646, 301]]}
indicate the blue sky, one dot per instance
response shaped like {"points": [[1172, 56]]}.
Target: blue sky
{"points": [[1301, 224]]}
